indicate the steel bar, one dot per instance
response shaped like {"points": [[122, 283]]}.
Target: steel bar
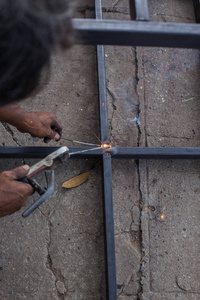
{"points": [[197, 10], [135, 33], [109, 229], [111, 288], [139, 10], [104, 129], [41, 152], [110, 32], [104, 132], [119, 153], [157, 153]]}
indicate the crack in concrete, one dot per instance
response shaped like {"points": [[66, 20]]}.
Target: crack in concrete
{"points": [[178, 17], [121, 292], [140, 224], [136, 85], [49, 264], [10, 132], [134, 49], [115, 10], [112, 9], [140, 200], [115, 4], [59, 278], [113, 112]]}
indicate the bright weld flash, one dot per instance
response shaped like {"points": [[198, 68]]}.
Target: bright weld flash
{"points": [[105, 145]]}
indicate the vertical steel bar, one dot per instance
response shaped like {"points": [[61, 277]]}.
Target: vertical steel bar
{"points": [[102, 82], [139, 10], [107, 171], [197, 10], [109, 229]]}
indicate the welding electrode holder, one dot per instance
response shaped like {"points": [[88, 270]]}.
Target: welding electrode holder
{"points": [[44, 193], [47, 164], [60, 155], [35, 184]]}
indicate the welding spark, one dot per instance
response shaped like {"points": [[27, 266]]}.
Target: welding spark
{"points": [[97, 138], [163, 217], [106, 145], [103, 145]]}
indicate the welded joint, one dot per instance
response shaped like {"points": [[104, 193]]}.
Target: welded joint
{"points": [[112, 150]]}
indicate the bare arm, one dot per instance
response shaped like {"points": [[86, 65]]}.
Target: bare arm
{"points": [[39, 124]]}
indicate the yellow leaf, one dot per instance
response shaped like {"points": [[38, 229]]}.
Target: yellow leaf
{"points": [[75, 181]]}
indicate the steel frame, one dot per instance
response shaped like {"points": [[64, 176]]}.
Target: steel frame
{"points": [[119, 153], [107, 32]]}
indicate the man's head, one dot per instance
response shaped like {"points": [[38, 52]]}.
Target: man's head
{"points": [[29, 31]]}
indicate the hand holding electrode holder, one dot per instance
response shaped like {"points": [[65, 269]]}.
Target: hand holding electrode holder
{"points": [[48, 164]]}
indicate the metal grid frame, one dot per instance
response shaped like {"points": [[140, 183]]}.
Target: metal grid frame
{"points": [[107, 32]]}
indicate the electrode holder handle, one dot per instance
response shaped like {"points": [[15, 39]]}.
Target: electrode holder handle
{"points": [[45, 193]]}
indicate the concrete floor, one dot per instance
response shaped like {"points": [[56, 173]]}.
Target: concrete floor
{"points": [[58, 252]]}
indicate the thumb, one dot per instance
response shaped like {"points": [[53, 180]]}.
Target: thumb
{"points": [[54, 135], [19, 172]]}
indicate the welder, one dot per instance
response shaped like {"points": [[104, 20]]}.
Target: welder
{"points": [[29, 32]]}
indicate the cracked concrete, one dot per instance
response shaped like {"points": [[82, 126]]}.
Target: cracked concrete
{"points": [[170, 265], [9, 130], [124, 109], [58, 252]]}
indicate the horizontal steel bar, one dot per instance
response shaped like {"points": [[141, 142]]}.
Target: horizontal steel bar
{"points": [[157, 153], [118, 152], [134, 33]]}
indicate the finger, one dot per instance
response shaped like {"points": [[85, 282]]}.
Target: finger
{"points": [[28, 190], [47, 140], [24, 190], [53, 135], [19, 172], [56, 126]]}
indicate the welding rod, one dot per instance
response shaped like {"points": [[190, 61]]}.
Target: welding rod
{"points": [[87, 150], [73, 141]]}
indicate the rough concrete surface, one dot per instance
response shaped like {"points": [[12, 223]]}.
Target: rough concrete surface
{"points": [[58, 251]]}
